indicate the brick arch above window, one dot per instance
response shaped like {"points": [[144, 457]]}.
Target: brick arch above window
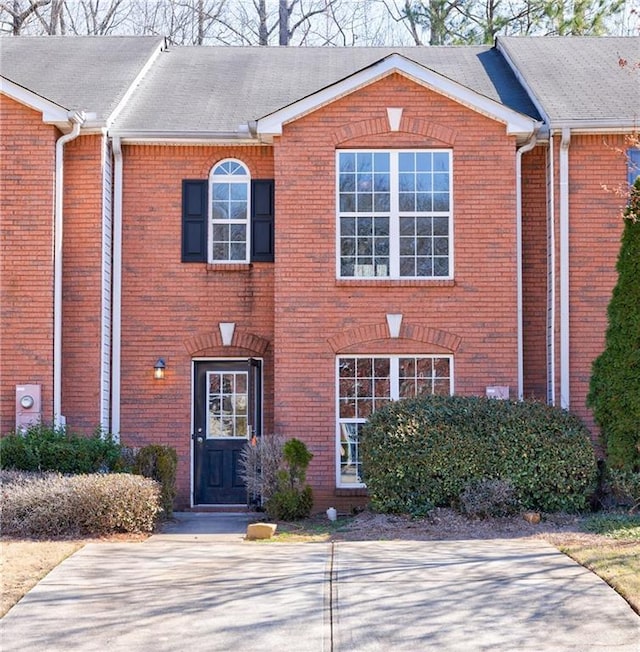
{"points": [[442, 339], [380, 126], [211, 343]]}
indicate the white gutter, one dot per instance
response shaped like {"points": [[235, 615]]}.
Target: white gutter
{"points": [[77, 119], [528, 146], [551, 306], [116, 310], [564, 269], [148, 137]]}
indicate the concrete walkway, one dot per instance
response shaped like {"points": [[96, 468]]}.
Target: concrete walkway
{"points": [[198, 586]]}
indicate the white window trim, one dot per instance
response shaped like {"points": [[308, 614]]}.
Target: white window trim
{"points": [[394, 239], [395, 395], [246, 179]]}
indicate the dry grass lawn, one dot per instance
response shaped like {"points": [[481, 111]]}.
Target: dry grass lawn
{"points": [[616, 562], [24, 563]]}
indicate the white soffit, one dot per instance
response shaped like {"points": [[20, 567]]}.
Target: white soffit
{"points": [[516, 123], [52, 113]]}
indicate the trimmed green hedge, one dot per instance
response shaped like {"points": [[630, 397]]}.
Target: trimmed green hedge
{"points": [[44, 447], [420, 453], [159, 463]]}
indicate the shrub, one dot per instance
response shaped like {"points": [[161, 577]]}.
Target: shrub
{"points": [[44, 447], [614, 391], [290, 504], [260, 460], [485, 498], [160, 464], [51, 505], [625, 486], [424, 451], [291, 499]]}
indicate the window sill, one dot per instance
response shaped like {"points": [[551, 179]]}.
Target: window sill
{"points": [[345, 492], [228, 267], [400, 282]]}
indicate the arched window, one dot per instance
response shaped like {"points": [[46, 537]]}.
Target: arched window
{"points": [[230, 210]]}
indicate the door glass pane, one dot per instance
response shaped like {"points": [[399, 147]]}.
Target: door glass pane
{"points": [[228, 404]]}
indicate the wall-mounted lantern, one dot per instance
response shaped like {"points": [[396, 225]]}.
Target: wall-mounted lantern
{"points": [[159, 369]]}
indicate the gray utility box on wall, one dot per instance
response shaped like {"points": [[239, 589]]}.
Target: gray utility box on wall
{"points": [[28, 406], [498, 391]]}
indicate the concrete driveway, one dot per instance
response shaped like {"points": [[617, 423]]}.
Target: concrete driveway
{"points": [[200, 587]]}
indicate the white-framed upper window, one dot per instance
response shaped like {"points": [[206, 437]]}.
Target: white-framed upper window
{"points": [[365, 383], [394, 214], [230, 211]]}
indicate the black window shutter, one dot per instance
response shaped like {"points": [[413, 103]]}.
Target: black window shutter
{"points": [[194, 221], [262, 220]]}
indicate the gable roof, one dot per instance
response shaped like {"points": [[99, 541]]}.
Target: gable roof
{"points": [[577, 82], [86, 73], [214, 90], [516, 123]]}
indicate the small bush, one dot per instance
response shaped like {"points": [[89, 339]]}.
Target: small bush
{"points": [[290, 504], [52, 505], [425, 451], [625, 486], [45, 447], [488, 498], [260, 460], [292, 499], [160, 464]]}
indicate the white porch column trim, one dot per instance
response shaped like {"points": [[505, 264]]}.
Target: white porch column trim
{"points": [[116, 328]]}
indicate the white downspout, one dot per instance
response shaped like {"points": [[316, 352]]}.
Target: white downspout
{"points": [[528, 146], [116, 315], [551, 319], [564, 269], [77, 119]]}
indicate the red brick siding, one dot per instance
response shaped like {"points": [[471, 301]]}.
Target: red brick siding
{"points": [[535, 272], [82, 280], [311, 306], [167, 303], [595, 225], [27, 165]]}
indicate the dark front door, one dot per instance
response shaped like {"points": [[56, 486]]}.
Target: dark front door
{"points": [[227, 413]]}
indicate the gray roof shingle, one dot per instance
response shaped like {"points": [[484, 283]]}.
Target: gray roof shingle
{"points": [[579, 79], [215, 89], [574, 80], [87, 73]]}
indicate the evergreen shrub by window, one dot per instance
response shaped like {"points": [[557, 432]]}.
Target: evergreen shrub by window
{"points": [[423, 452], [614, 393]]}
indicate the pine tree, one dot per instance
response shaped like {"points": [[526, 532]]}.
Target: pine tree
{"points": [[614, 392]]}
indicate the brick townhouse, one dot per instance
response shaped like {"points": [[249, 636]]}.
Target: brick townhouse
{"points": [[292, 237]]}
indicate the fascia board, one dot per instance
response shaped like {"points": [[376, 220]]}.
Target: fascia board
{"points": [[516, 123], [52, 113]]}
